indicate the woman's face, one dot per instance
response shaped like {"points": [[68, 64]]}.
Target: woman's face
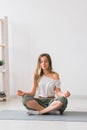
{"points": [[44, 63]]}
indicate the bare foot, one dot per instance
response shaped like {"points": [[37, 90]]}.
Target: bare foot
{"points": [[32, 112]]}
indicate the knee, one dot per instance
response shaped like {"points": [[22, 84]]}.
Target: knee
{"points": [[26, 98]]}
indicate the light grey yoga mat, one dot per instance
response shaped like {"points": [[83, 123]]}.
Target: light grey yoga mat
{"points": [[70, 116]]}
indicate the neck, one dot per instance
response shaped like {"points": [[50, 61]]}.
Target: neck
{"points": [[46, 73]]}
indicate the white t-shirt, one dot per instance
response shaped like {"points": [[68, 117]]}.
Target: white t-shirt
{"points": [[47, 86]]}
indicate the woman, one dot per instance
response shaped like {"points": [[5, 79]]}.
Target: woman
{"points": [[46, 95]]}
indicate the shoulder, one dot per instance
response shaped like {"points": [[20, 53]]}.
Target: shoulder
{"points": [[55, 75]]}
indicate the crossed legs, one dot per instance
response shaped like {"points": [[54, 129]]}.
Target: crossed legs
{"points": [[55, 105]]}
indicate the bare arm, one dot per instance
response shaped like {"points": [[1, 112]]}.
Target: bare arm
{"points": [[60, 93], [58, 89]]}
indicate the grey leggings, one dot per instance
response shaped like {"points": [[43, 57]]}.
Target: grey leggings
{"points": [[45, 102]]}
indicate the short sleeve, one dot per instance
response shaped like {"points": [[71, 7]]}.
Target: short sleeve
{"points": [[57, 83]]}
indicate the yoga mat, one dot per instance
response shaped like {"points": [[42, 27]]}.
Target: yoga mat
{"points": [[69, 116]]}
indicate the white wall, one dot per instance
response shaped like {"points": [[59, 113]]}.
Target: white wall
{"points": [[58, 27]]}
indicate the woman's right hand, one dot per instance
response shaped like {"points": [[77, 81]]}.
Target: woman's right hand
{"points": [[20, 93], [67, 93]]}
